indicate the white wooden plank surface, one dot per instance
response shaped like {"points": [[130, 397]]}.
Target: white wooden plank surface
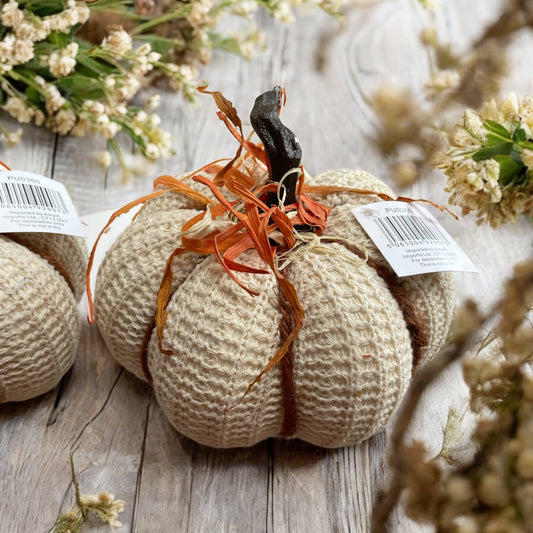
{"points": [[124, 443]]}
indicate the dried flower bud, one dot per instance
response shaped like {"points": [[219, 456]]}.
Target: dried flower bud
{"points": [[493, 491], [118, 42]]}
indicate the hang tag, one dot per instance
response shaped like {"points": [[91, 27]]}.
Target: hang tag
{"points": [[411, 239], [30, 202]]}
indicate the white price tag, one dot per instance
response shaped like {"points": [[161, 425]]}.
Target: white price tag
{"points": [[30, 202], [411, 239]]}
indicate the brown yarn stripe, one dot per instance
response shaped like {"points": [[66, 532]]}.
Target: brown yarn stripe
{"points": [[144, 352], [413, 319], [47, 257], [288, 387]]}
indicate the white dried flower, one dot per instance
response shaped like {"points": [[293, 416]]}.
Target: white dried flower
{"points": [[129, 87], [244, 8], [144, 49], [199, 15], [102, 504], [63, 121], [87, 500], [120, 110], [12, 138], [39, 117], [153, 102], [63, 62], [466, 524], [53, 98], [153, 120], [527, 158], [118, 42], [140, 118], [473, 124], [443, 80], [81, 128], [152, 151], [22, 51], [108, 128], [104, 158], [94, 106], [282, 11], [18, 109], [11, 14], [83, 12], [153, 57]]}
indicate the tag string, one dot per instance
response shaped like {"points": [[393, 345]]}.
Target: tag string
{"points": [[4, 165]]}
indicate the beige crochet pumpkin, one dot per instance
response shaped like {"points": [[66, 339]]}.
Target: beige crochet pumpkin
{"points": [[352, 361], [41, 280]]}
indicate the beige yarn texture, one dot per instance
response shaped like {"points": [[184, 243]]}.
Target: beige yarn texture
{"points": [[39, 323], [222, 338]]}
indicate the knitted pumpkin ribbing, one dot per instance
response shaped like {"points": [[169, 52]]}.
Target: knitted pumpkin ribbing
{"points": [[41, 279], [352, 360]]}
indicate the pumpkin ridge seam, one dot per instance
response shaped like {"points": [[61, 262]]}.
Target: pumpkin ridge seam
{"points": [[288, 385]]}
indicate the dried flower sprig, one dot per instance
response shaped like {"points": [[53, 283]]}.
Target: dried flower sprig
{"points": [[102, 504], [50, 77], [493, 490], [74, 66], [490, 161], [10, 138], [458, 80]]}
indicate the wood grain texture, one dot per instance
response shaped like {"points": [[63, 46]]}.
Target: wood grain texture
{"points": [[122, 440]]}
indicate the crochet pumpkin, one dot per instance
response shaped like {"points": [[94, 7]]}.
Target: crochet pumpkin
{"points": [[41, 280], [309, 334]]}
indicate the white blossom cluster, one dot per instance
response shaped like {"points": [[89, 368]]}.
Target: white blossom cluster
{"points": [[126, 73], [79, 83], [476, 181], [17, 47]]}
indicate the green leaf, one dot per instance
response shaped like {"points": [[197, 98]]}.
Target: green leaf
{"points": [[492, 140], [515, 153], [509, 169], [82, 87], [523, 178], [61, 40], [495, 127], [161, 44], [34, 96], [92, 66], [492, 151], [519, 135]]}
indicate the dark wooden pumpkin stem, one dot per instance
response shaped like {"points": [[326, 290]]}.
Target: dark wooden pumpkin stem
{"points": [[282, 148]]}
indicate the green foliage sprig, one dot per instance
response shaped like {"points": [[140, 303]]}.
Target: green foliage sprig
{"points": [[75, 66]]}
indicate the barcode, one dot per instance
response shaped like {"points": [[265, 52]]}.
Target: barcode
{"points": [[26, 195], [401, 229]]}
